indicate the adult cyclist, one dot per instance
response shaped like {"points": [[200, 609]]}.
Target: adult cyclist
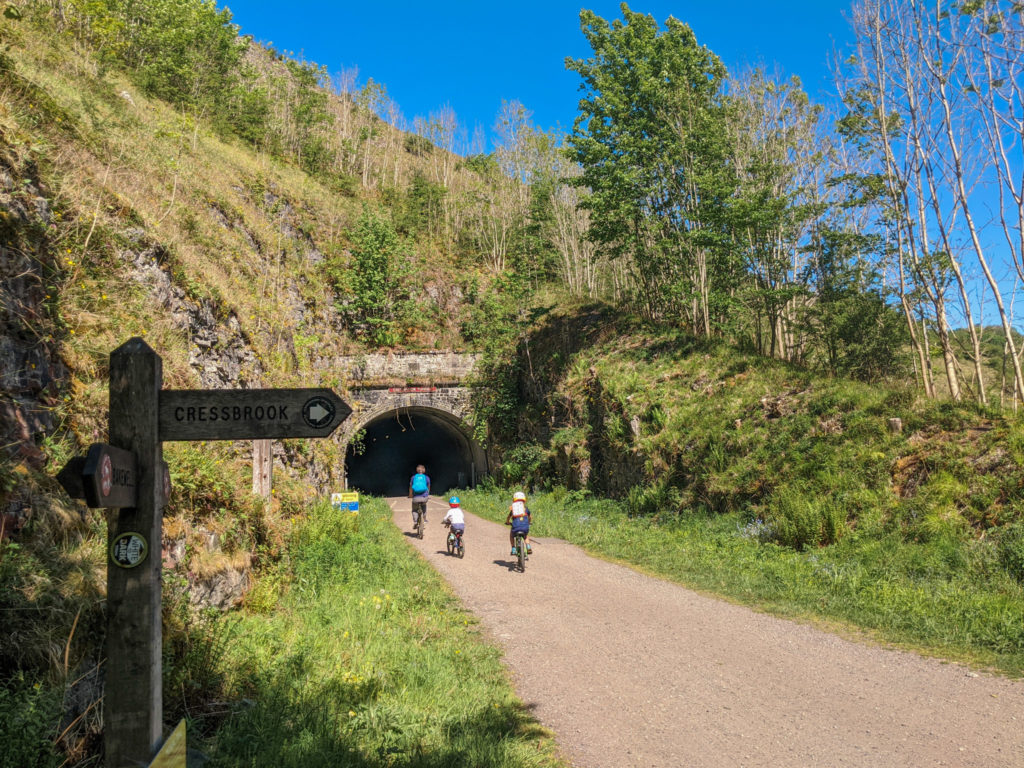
{"points": [[419, 492], [519, 518]]}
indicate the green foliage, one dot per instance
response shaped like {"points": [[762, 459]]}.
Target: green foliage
{"points": [[649, 140], [194, 649], [29, 713], [329, 678], [184, 51], [421, 209], [379, 280], [525, 465], [801, 519]]}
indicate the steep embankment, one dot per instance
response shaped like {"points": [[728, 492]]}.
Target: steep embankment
{"points": [[122, 216], [755, 479]]}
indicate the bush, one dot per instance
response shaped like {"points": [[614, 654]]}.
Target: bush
{"points": [[524, 465], [29, 715]]}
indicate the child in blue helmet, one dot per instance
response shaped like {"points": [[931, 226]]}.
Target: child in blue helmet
{"points": [[455, 518]]}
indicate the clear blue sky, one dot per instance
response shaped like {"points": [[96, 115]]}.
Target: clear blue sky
{"points": [[472, 55]]}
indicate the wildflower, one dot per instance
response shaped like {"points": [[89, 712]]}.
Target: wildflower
{"points": [[351, 713]]}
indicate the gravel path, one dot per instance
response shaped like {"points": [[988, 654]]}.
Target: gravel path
{"points": [[629, 670]]}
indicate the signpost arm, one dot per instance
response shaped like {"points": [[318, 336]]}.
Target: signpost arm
{"points": [[133, 705]]}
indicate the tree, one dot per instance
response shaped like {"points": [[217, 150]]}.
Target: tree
{"points": [[649, 128], [377, 280]]}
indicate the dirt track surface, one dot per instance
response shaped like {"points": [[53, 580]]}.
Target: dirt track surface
{"points": [[629, 670]]}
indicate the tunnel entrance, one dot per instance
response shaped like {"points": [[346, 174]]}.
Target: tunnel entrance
{"points": [[395, 442]]}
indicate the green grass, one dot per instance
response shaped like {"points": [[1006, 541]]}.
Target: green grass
{"points": [[360, 656], [948, 596]]}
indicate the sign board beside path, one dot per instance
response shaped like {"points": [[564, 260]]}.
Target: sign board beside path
{"points": [[249, 414], [130, 475]]}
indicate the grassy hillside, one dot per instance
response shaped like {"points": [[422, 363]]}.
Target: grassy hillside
{"points": [[122, 215], [756, 479]]}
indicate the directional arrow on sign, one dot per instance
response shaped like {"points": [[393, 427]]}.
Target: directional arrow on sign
{"points": [[249, 414]]}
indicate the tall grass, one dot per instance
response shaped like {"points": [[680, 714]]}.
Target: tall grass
{"points": [[356, 654], [948, 596]]}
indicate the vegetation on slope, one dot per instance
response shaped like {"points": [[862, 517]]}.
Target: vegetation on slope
{"points": [[123, 214], [759, 480]]}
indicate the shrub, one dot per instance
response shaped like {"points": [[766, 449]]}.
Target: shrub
{"points": [[29, 715], [525, 464]]}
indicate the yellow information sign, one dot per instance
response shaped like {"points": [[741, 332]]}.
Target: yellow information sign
{"points": [[348, 500]]}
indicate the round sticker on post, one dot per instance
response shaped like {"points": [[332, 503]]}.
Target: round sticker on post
{"points": [[128, 550]]}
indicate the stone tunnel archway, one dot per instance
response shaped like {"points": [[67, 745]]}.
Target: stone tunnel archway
{"points": [[396, 440]]}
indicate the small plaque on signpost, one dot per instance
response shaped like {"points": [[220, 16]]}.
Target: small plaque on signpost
{"points": [[128, 550], [109, 477]]}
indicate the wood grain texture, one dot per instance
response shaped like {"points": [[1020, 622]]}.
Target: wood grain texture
{"points": [[133, 701]]}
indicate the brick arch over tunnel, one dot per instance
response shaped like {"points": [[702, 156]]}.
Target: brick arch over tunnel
{"points": [[395, 441]]}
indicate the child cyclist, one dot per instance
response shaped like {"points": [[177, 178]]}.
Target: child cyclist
{"points": [[519, 518], [455, 518]]}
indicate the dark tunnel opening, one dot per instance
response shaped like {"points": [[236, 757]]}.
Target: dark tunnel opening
{"points": [[396, 442]]}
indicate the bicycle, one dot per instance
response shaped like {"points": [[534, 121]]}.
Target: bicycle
{"points": [[456, 546], [521, 554], [419, 508]]}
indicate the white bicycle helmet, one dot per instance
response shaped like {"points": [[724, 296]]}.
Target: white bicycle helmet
{"points": [[519, 496]]}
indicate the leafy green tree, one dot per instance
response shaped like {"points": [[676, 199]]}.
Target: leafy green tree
{"points": [[378, 281], [184, 51], [649, 140]]}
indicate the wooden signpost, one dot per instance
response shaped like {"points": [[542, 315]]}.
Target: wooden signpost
{"points": [[130, 475]]}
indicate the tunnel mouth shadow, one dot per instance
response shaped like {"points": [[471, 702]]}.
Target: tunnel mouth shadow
{"points": [[395, 442]]}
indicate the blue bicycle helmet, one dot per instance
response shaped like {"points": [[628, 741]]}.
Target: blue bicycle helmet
{"points": [[453, 501]]}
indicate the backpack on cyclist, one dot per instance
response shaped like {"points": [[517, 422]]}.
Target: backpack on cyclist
{"points": [[419, 483]]}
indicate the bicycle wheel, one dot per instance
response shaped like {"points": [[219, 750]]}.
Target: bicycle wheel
{"points": [[521, 552], [451, 545], [460, 546]]}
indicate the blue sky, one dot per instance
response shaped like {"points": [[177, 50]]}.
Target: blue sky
{"points": [[472, 55]]}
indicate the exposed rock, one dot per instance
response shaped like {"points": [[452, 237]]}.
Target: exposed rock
{"points": [[220, 353], [222, 590]]}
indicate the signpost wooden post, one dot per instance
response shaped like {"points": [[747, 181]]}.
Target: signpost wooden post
{"points": [[133, 697], [262, 468], [129, 475]]}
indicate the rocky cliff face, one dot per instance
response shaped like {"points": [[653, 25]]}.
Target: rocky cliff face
{"points": [[32, 374]]}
